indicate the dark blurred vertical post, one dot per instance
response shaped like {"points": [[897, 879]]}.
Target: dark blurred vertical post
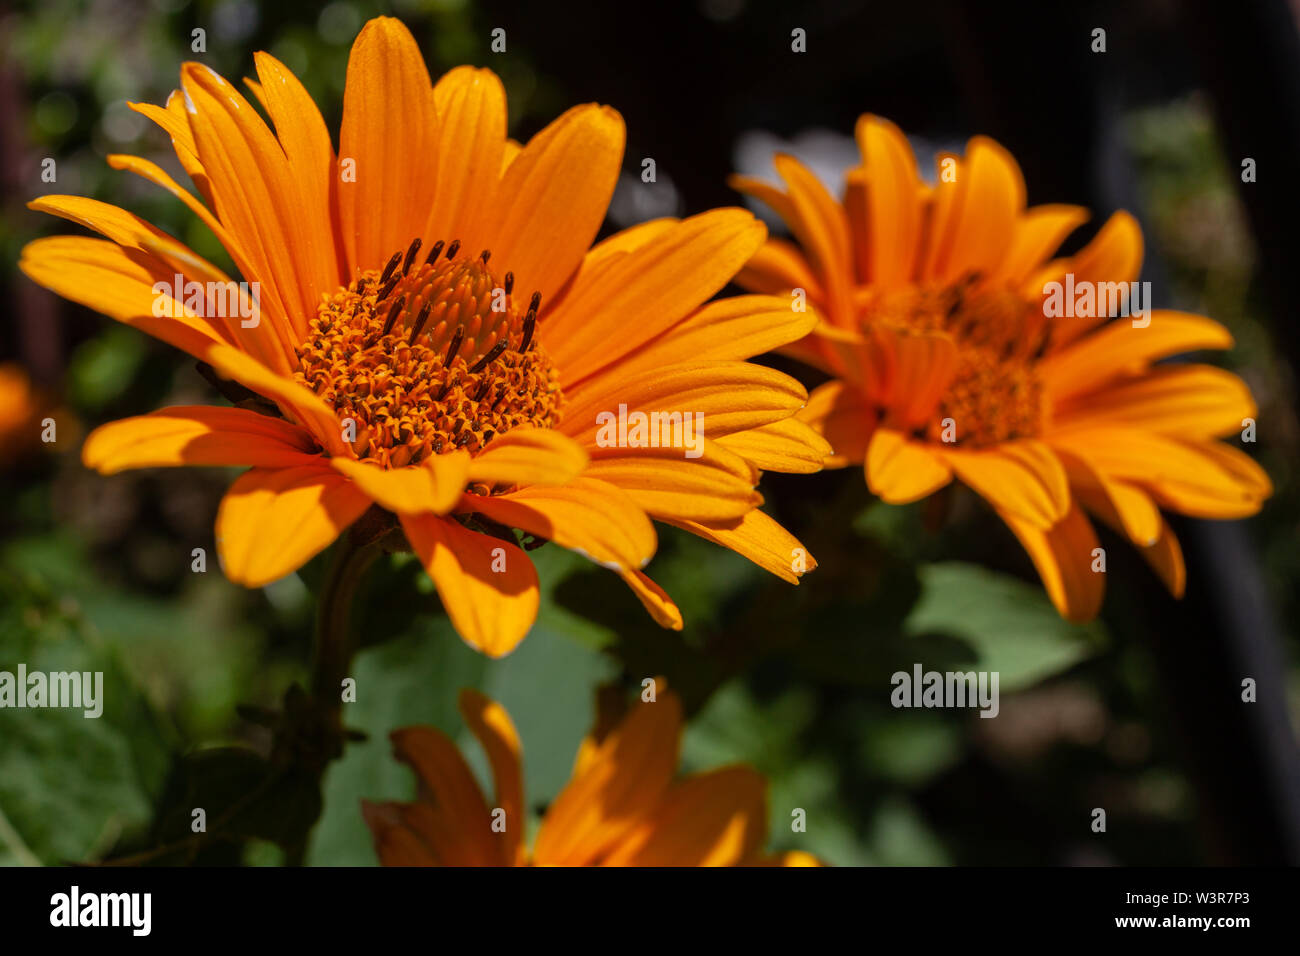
{"points": [[36, 313], [1249, 56]]}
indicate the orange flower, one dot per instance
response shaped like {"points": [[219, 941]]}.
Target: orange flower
{"points": [[952, 358], [435, 336], [621, 808], [19, 413]]}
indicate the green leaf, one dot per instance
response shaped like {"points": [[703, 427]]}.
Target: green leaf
{"points": [[734, 727], [71, 786], [103, 368], [1010, 625], [411, 680]]}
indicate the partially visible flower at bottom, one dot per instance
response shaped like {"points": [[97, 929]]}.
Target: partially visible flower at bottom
{"points": [[621, 807]]}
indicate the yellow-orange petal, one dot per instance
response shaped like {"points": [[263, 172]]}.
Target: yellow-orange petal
{"points": [[272, 521], [913, 371], [1120, 349], [509, 153], [990, 196], [620, 788], [119, 283], [198, 435], [900, 471], [1187, 401], [1063, 556], [159, 177], [789, 446], [431, 487], [717, 818], [1123, 505], [823, 229], [638, 293], [487, 586], [309, 160], [259, 198], [1166, 559], [389, 135], [1037, 234], [685, 401], [471, 105], [553, 197], [789, 858], [1113, 255], [761, 539], [529, 456], [129, 230], [1240, 466], [451, 815], [175, 122], [261, 340], [490, 723], [778, 268], [862, 361], [591, 517], [842, 416], [654, 599], [893, 212], [396, 843], [724, 330], [1204, 479], [304, 406], [718, 486], [1023, 478]]}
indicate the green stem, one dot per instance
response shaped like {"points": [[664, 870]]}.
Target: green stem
{"points": [[353, 555]]}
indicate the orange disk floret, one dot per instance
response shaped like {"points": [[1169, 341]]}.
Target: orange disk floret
{"points": [[430, 358], [995, 392]]}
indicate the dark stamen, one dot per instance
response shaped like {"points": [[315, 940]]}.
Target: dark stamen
{"points": [[389, 286], [454, 347], [388, 269], [435, 252], [485, 255], [361, 287], [530, 323], [419, 322], [489, 357], [482, 389], [392, 315], [535, 302], [410, 255], [510, 282], [453, 249]]}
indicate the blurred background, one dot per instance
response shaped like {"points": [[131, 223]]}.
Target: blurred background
{"points": [[1139, 713]]}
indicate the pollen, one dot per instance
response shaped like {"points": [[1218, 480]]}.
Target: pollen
{"points": [[995, 394], [425, 357]]}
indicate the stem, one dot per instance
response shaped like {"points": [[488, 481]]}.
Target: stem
{"points": [[355, 552]]}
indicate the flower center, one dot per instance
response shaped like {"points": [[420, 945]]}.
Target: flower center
{"points": [[424, 359], [995, 394]]}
